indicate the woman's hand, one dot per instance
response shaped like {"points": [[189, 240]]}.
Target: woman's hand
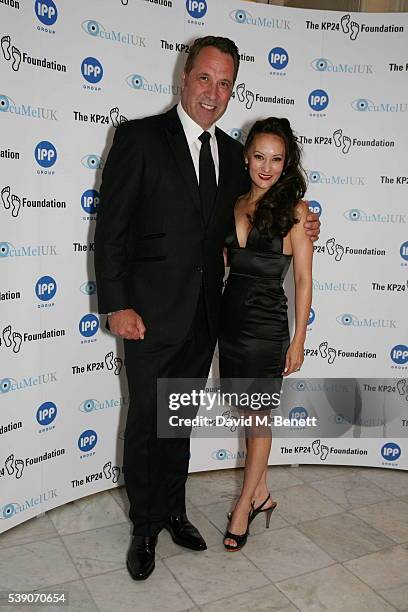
{"points": [[294, 357]]}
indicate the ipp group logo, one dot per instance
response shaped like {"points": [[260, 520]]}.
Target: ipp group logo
{"points": [[87, 442], [47, 14], [140, 83], [246, 18], [92, 71], [197, 9], [89, 287], [45, 290], [315, 207], [363, 105], [399, 356], [88, 327], [323, 64], [45, 155], [318, 101], [97, 30], [89, 202], [312, 317], [278, 59], [26, 109], [46, 415], [391, 452]]}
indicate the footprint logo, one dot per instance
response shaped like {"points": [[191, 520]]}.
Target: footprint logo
{"points": [[12, 339], [323, 349], [111, 472], [330, 246], [239, 90], [331, 355], [349, 27], [118, 363], [327, 352], [339, 252], [402, 388], [15, 205], [109, 360], [5, 197], [10, 200], [7, 336], [337, 137], [15, 54], [14, 466], [249, 99], [112, 363], [316, 446], [115, 117], [345, 23], [346, 144], [355, 29], [324, 452]]}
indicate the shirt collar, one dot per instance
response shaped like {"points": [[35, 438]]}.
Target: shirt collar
{"points": [[191, 129]]}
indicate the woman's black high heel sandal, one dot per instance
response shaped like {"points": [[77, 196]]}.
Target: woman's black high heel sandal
{"points": [[261, 508], [239, 539]]}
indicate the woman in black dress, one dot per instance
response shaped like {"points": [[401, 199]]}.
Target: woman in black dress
{"points": [[267, 232]]}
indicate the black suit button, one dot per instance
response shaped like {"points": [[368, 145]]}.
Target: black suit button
{"points": [[199, 269]]}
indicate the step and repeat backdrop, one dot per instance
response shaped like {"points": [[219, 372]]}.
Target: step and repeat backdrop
{"points": [[71, 72]]}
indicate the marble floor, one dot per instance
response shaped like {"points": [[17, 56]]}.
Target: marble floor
{"points": [[338, 542]]}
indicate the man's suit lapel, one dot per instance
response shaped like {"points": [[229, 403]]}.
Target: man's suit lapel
{"points": [[178, 144]]}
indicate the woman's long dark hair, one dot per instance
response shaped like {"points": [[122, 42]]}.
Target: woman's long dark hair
{"points": [[275, 211]]}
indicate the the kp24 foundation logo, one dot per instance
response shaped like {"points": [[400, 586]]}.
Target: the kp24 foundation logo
{"points": [[11, 339], [11, 201], [248, 97], [10, 52]]}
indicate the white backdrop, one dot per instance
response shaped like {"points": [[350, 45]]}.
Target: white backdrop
{"points": [[70, 71]]}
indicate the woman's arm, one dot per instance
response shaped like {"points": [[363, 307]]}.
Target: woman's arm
{"points": [[302, 248]]}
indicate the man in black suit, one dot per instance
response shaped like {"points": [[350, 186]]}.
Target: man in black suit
{"points": [[168, 190]]}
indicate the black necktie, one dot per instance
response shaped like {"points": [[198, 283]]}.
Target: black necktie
{"points": [[207, 178]]}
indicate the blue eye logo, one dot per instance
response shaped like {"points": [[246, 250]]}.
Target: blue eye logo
{"points": [[240, 16], [89, 405], [404, 250], [45, 288], [92, 70], [220, 455], [312, 317], [88, 325], [315, 207], [136, 81], [5, 249], [8, 510], [46, 11], [45, 154], [318, 99], [362, 105], [89, 288], [46, 413], [298, 413], [6, 384], [5, 103], [196, 8], [339, 418], [346, 319], [322, 64], [92, 27], [237, 134], [87, 440], [354, 214], [315, 176], [399, 354], [278, 58], [90, 200], [391, 451], [92, 161], [300, 385]]}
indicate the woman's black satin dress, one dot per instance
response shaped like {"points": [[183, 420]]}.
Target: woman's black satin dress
{"points": [[254, 334]]}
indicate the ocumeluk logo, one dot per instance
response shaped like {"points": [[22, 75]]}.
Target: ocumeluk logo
{"points": [[46, 12], [196, 8]]}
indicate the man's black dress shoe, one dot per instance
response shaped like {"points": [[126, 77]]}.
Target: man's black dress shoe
{"points": [[184, 533], [140, 557]]}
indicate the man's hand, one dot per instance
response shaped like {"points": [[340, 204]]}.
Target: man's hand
{"points": [[127, 324], [312, 226]]}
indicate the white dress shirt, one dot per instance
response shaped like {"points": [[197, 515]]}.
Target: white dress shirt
{"points": [[192, 131]]}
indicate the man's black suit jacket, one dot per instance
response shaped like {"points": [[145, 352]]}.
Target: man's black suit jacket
{"points": [[152, 251]]}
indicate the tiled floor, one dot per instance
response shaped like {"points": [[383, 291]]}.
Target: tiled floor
{"points": [[338, 542]]}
